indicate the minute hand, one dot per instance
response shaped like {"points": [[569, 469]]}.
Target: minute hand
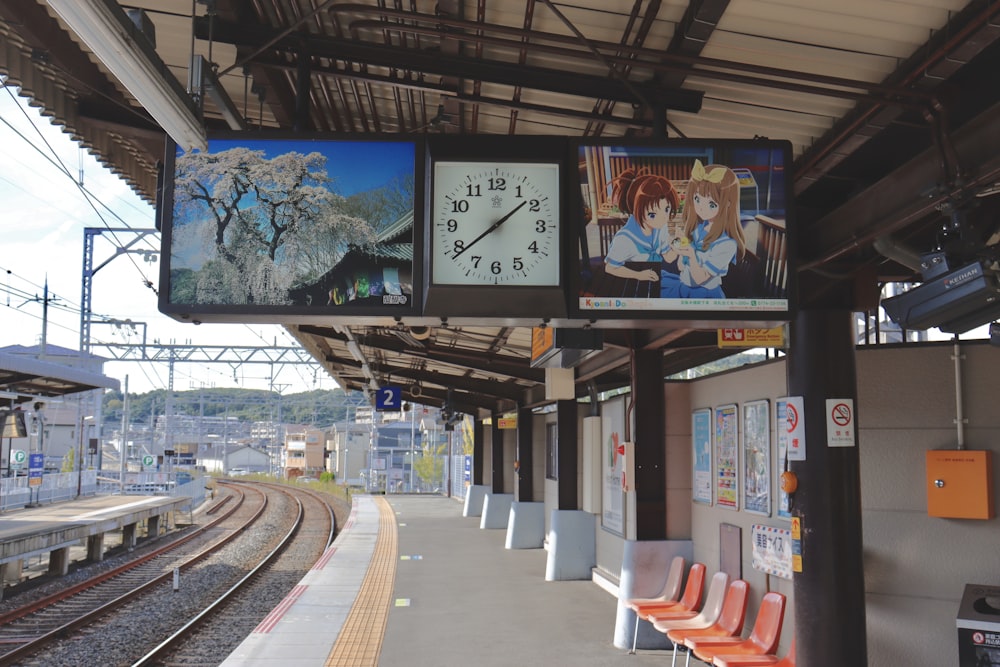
{"points": [[490, 229]]}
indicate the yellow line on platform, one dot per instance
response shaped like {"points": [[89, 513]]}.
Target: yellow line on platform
{"points": [[360, 641]]}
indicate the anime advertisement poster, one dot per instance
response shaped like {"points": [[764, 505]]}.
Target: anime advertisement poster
{"points": [[693, 228]]}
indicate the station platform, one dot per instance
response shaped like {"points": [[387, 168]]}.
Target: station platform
{"points": [[54, 529], [411, 582]]}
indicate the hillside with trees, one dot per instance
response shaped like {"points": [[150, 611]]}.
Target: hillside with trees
{"points": [[319, 408]]}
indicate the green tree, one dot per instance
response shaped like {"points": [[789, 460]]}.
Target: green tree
{"points": [[429, 466], [69, 461]]}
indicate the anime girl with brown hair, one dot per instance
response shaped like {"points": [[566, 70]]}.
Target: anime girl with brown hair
{"points": [[712, 236], [650, 201]]}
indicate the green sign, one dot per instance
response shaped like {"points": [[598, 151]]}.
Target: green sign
{"points": [[18, 457], [147, 460]]}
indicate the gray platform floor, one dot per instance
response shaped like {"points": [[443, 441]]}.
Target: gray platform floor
{"points": [[472, 602]]}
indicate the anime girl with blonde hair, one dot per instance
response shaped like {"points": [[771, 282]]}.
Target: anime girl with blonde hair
{"points": [[650, 201], [712, 236]]}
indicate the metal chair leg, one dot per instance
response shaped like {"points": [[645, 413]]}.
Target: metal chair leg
{"points": [[635, 634]]}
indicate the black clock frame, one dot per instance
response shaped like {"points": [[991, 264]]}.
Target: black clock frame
{"points": [[502, 302]]}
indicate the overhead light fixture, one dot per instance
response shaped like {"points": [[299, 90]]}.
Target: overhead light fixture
{"points": [[203, 78], [126, 52]]}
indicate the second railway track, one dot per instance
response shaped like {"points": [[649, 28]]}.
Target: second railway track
{"points": [[121, 616]]}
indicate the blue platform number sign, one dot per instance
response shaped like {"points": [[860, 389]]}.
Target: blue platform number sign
{"points": [[36, 466], [389, 398]]}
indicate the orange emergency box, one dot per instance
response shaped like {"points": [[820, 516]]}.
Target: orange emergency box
{"points": [[960, 484]]}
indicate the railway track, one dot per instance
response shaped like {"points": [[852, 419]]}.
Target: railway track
{"points": [[264, 540], [31, 628], [211, 635]]}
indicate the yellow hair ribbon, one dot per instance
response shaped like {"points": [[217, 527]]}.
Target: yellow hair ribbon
{"points": [[698, 173]]}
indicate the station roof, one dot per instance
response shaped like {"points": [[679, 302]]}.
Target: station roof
{"points": [[892, 110], [24, 378]]}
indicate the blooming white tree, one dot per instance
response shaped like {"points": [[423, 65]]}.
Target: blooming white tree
{"points": [[262, 224]]}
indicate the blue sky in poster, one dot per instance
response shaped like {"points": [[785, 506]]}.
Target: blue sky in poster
{"points": [[355, 166]]}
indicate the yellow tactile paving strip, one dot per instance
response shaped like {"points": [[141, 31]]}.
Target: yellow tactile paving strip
{"points": [[360, 640]]}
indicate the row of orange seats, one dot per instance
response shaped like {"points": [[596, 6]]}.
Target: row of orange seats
{"points": [[712, 631]]}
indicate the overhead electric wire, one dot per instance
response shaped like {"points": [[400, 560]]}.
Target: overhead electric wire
{"points": [[57, 163]]}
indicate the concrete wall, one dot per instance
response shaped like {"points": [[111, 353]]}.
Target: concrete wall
{"points": [[916, 566]]}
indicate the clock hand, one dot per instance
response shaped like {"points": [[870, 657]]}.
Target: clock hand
{"points": [[491, 228]]}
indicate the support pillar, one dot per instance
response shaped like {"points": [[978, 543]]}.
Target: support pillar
{"points": [[129, 536], [59, 561], [478, 452], [647, 554], [153, 527], [573, 532], [523, 489], [496, 446], [475, 495], [829, 592], [95, 548], [650, 445], [566, 465]]}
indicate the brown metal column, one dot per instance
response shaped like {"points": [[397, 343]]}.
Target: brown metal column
{"points": [[478, 450], [525, 455], [497, 448], [566, 428], [650, 446], [830, 591]]}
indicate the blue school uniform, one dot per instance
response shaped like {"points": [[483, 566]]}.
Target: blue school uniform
{"points": [[716, 258]]}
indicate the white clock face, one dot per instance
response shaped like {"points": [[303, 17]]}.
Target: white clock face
{"points": [[495, 224]]}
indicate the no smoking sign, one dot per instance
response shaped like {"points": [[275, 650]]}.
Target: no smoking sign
{"points": [[840, 425]]}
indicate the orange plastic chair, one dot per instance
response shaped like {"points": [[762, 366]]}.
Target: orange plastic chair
{"points": [[756, 660], [729, 624], [690, 600], [713, 605], [763, 638]]}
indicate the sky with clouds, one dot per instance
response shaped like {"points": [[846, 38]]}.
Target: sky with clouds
{"points": [[43, 213]]}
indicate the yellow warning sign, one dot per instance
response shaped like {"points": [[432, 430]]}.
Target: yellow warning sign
{"points": [[507, 421], [752, 337]]}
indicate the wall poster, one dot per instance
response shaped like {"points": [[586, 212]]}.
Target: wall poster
{"points": [[757, 457], [701, 442], [781, 435], [612, 468], [727, 457]]}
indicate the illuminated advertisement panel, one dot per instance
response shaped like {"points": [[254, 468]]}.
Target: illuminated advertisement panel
{"points": [[262, 228], [684, 230]]}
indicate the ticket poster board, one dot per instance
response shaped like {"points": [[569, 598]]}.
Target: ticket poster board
{"points": [[613, 464], [781, 436], [757, 457], [701, 443], [727, 457]]}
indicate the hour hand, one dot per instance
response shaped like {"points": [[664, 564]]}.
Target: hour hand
{"points": [[490, 229]]}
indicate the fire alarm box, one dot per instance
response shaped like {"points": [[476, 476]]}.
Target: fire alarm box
{"points": [[960, 484]]}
